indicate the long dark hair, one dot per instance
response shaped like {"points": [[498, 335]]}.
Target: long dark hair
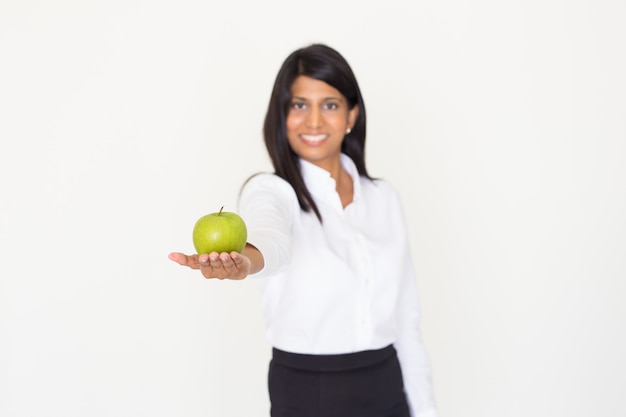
{"points": [[325, 64]]}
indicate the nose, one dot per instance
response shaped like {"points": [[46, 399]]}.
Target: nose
{"points": [[314, 118]]}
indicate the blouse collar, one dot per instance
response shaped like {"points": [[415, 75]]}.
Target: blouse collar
{"points": [[322, 185]]}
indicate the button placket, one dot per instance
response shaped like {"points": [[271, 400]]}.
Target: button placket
{"points": [[364, 275]]}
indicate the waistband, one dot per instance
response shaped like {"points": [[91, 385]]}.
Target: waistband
{"points": [[332, 363]]}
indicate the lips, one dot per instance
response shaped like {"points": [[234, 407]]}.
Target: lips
{"points": [[313, 139]]}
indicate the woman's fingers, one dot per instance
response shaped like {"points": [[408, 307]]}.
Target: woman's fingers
{"points": [[177, 257], [223, 265], [215, 265], [186, 260], [226, 263], [240, 265], [216, 261], [212, 266]]}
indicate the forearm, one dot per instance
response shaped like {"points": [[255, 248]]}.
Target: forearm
{"points": [[256, 258]]}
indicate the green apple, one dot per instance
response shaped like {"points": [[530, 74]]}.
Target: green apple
{"points": [[220, 232]]}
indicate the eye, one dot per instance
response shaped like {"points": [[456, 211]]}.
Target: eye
{"points": [[331, 106], [297, 105]]}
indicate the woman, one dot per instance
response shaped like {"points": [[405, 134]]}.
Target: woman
{"points": [[329, 247]]}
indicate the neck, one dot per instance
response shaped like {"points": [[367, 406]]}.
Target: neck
{"points": [[345, 187]]}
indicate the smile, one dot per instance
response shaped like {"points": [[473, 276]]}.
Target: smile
{"points": [[313, 139]]}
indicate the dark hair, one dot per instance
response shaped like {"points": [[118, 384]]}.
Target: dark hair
{"points": [[325, 64]]}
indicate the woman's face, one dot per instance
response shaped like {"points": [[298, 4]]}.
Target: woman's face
{"points": [[317, 121]]}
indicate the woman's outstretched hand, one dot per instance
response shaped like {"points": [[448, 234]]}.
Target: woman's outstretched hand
{"points": [[216, 265]]}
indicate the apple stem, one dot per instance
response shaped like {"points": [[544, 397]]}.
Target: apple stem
{"points": [[220, 213]]}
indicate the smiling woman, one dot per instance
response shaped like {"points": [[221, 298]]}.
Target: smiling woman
{"points": [[329, 247], [317, 122]]}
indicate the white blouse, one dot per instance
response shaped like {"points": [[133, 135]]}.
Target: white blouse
{"points": [[344, 285]]}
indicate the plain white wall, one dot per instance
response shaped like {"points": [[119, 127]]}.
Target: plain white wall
{"points": [[121, 122]]}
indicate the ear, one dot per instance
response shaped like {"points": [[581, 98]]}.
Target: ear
{"points": [[352, 115]]}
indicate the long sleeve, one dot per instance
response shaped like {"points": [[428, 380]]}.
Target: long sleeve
{"points": [[266, 204]]}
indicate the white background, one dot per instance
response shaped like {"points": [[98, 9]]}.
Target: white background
{"points": [[502, 124]]}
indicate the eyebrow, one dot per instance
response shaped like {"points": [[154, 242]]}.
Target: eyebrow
{"points": [[324, 99]]}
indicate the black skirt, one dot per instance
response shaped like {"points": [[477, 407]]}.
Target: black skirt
{"points": [[362, 384]]}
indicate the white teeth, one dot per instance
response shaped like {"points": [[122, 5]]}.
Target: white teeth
{"points": [[314, 138]]}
